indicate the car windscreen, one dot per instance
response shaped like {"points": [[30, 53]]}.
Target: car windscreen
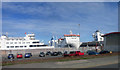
{"points": [[72, 52]]}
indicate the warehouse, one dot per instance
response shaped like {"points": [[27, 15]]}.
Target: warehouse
{"points": [[94, 45], [112, 41]]}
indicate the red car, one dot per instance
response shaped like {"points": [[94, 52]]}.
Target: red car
{"points": [[19, 56], [73, 53], [78, 53]]}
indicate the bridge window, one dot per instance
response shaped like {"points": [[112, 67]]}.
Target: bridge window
{"points": [[28, 42], [7, 46], [15, 42], [31, 45], [7, 42], [21, 46], [12, 46], [16, 46], [35, 42], [11, 42], [23, 42], [19, 42]]}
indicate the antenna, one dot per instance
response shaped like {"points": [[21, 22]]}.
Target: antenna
{"points": [[79, 28], [71, 32]]}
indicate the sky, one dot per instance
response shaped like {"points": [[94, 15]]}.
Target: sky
{"points": [[47, 19]]}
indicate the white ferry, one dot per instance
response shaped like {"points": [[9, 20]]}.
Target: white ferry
{"points": [[69, 40], [27, 42]]}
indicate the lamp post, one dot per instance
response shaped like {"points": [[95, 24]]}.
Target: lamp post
{"points": [[79, 28], [79, 34]]}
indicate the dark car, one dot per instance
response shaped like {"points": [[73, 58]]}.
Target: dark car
{"points": [[104, 52], [28, 55], [10, 56], [65, 52], [48, 53], [59, 53], [54, 54], [92, 53], [42, 54]]}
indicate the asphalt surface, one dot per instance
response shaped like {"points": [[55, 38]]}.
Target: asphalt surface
{"points": [[108, 66], [105, 62]]}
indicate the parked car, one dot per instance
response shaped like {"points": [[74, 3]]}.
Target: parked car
{"points": [[59, 53], [28, 55], [42, 54], [78, 53], [71, 53], [48, 53], [19, 55], [65, 51], [54, 54], [104, 52], [92, 53], [10, 56]]}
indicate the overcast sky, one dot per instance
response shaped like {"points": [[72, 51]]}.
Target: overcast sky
{"points": [[46, 19]]}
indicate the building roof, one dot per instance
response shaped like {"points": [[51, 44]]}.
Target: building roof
{"points": [[110, 33], [91, 44]]}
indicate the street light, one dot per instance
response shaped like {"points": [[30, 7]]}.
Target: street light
{"points": [[79, 34], [79, 28]]}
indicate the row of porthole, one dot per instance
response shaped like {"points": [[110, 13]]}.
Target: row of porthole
{"points": [[16, 46], [15, 39], [16, 42]]}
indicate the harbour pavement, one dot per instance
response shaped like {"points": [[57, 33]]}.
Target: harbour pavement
{"points": [[104, 62]]}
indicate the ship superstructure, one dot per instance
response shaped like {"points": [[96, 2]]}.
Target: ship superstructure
{"points": [[27, 42], [98, 36], [69, 40]]}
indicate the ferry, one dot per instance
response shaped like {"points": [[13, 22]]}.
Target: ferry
{"points": [[69, 40], [27, 42]]}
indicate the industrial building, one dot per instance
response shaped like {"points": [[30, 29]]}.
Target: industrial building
{"points": [[97, 44], [112, 41]]}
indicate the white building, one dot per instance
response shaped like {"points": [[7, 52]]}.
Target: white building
{"points": [[27, 42], [112, 41], [98, 36]]}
